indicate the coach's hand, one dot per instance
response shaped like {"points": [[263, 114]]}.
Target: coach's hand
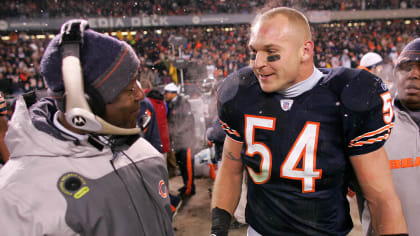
{"points": [[220, 221]]}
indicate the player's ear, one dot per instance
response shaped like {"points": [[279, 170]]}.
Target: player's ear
{"points": [[307, 50]]}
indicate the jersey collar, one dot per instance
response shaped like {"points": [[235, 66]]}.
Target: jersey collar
{"points": [[303, 86]]}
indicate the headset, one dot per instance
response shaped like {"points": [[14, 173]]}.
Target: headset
{"points": [[84, 106]]}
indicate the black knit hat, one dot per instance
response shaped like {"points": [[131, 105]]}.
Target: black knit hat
{"points": [[411, 52], [108, 65]]}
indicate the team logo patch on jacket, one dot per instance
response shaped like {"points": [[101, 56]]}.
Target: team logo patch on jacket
{"points": [[163, 190], [73, 184]]}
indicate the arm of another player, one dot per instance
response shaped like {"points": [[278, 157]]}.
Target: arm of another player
{"points": [[3, 148], [375, 178], [4, 152], [227, 187]]}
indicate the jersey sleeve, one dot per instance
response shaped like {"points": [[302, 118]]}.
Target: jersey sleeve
{"points": [[229, 116], [3, 107], [367, 115]]}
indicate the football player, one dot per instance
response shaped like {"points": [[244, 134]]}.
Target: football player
{"points": [[299, 132]]}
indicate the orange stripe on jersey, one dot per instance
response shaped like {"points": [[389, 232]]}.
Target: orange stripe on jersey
{"points": [[229, 130], [369, 134], [385, 129], [370, 141], [3, 106]]}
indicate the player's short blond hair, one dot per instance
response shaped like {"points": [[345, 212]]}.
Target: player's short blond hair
{"points": [[296, 17]]}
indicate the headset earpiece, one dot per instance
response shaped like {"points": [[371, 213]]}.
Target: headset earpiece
{"points": [[95, 100]]}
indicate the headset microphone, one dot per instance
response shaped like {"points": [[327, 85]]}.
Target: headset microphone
{"points": [[78, 111]]}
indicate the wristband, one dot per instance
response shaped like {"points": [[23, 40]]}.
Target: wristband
{"points": [[220, 221]]}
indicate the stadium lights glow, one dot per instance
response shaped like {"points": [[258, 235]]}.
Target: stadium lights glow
{"points": [[145, 32], [407, 22], [5, 38], [158, 31], [40, 36]]}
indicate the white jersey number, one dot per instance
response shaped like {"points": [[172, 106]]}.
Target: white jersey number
{"points": [[387, 107], [303, 151]]}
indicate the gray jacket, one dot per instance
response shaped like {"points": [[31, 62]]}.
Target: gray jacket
{"points": [[403, 149], [56, 186]]}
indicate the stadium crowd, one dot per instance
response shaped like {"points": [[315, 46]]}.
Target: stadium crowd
{"points": [[212, 51], [100, 8]]}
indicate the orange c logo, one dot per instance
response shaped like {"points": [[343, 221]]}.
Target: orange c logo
{"points": [[163, 191]]}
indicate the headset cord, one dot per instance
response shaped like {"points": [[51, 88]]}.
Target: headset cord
{"points": [[129, 195], [110, 144], [106, 142], [156, 204]]}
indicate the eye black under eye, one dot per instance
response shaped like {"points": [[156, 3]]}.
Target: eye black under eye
{"points": [[272, 58], [253, 56]]}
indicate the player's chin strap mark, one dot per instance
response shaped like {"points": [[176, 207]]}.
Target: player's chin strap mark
{"points": [[273, 58]]}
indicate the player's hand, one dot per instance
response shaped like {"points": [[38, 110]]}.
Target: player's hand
{"points": [[220, 221]]}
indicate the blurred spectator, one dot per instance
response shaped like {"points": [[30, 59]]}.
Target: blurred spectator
{"points": [[166, 79], [372, 62], [156, 77], [393, 55], [196, 70], [147, 77], [181, 132]]}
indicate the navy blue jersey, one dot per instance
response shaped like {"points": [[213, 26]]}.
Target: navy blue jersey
{"points": [[148, 121], [296, 150]]}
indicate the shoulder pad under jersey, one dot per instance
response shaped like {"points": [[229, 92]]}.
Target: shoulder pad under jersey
{"points": [[358, 90], [244, 77]]}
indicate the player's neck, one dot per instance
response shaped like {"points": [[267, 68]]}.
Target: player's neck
{"points": [[303, 86]]}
